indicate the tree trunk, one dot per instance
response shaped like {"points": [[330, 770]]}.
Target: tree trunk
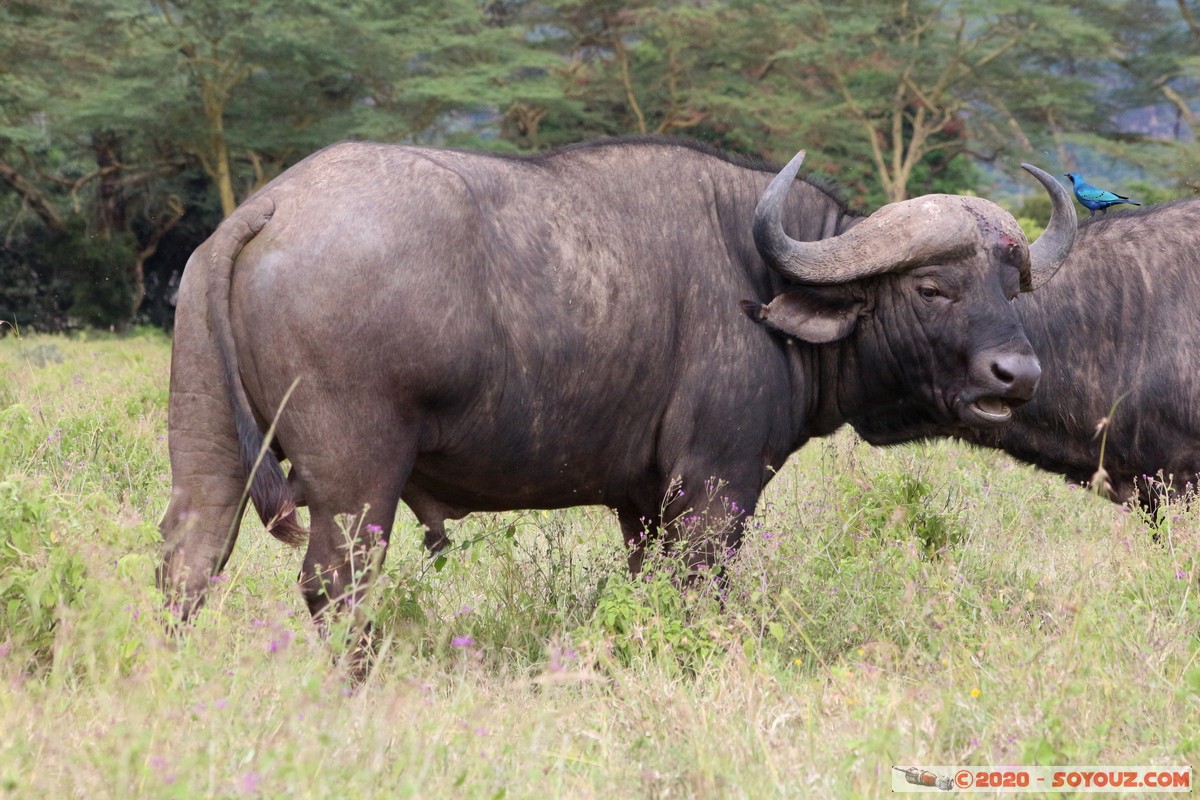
{"points": [[137, 272], [106, 147], [220, 160]]}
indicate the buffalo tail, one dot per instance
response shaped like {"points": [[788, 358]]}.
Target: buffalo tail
{"points": [[269, 490]]}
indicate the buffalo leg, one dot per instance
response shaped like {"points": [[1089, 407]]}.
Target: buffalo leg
{"points": [[637, 530], [352, 494], [336, 564], [432, 514], [705, 518], [352, 510], [200, 525]]}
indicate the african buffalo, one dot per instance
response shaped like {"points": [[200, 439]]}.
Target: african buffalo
{"points": [[469, 332], [1116, 334]]}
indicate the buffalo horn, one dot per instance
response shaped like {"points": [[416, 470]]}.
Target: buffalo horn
{"points": [[897, 236], [1050, 250]]}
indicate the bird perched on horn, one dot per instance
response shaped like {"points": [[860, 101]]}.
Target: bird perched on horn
{"points": [[1093, 198]]}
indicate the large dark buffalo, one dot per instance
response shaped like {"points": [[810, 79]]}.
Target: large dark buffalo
{"points": [[1120, 327], [479, 333]]}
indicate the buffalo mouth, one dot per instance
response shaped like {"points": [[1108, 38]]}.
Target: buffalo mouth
{"points": [[988, 411]]}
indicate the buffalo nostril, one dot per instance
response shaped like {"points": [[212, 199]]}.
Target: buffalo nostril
{"points": [[1017, 373]]}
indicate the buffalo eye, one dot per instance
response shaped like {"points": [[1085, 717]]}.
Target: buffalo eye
{"points": [[929, 292]]}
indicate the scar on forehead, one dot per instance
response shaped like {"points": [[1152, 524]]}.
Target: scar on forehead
{"points": [[1011, 249]]}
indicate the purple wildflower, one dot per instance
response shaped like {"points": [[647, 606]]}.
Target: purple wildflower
{"points": [[559, 659], [249, 783], [280, 642], [163, 768], [462, 641]]}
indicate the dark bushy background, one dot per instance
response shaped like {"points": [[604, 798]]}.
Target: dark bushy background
{"points": [[59, 282]]}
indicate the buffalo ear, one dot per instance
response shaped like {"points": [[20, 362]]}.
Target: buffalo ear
{"points": [[818, 315]]}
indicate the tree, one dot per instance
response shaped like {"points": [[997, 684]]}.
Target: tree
{"points": [[761, 78], [127, 127], [922, 79], [111, 106], [1158, 47]]}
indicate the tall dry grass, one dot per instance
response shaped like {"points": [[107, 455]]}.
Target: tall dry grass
{"points": [[921, 605]]}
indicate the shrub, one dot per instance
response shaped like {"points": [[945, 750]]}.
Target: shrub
{"points": [[55, 281], [650, 618], [39, 574]]}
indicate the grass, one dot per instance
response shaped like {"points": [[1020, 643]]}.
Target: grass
{"points": [[923, 605]]}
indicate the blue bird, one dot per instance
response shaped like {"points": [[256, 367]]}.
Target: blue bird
{"points": [[1094, 198]]}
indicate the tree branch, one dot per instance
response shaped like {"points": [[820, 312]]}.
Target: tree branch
{"points": [[32, 197], [137, 270], [1188, 17], [1180, 103], [627, 82]]}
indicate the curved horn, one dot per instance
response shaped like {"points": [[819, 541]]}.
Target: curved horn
{"points": [[1051, 249], [773, 244], [897, 236]]}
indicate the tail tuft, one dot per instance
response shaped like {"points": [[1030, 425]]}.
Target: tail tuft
{"points": [[270, 493], [286, 527]]}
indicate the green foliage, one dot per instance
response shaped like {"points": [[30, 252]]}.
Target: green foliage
{"points": [[61, 481], [127, 127], [649, 619], [97, 270], [538, 579], [20, 434], [903, 506], [33, 293], [39, 576], [1032, 228]]}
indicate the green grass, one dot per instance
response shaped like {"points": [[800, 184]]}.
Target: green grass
{"points": [[923, 605]]}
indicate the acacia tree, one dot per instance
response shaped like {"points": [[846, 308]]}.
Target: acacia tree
{"points": [[914, 76], [111, 107], [706, 70], [254, 78], [1159, 56], [124, 123], [275, 79], [868, 85], [75, 170]]}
